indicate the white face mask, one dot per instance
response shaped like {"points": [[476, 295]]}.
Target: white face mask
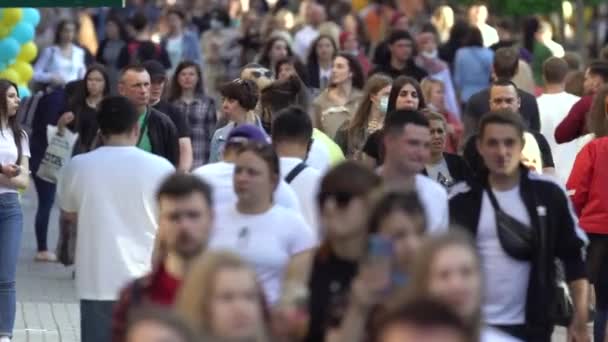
{"points": [[432, 54], [383, 104]]}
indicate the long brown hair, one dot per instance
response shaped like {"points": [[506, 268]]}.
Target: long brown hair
{"points": [[194, 298], [175, 89], [597, 117], [372, 87], [13, 123]]}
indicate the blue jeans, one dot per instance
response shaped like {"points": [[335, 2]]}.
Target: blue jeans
{"points": [[96, 320], [46, 197], [11, 224]]}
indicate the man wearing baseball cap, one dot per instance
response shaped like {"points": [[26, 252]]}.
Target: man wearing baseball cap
{"points": [[158, 78], [219, 175]]}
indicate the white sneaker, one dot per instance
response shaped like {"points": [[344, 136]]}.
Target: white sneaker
{"points": [[5, 339]]}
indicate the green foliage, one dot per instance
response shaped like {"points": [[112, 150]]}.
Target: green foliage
{"points": [[525, 7]]}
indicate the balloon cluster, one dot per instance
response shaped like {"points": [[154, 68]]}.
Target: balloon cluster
{"points": [[17, 49]]}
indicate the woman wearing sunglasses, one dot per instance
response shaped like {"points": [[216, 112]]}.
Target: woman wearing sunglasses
{"points": [[343, 202], [272, 238], [240, 97]]}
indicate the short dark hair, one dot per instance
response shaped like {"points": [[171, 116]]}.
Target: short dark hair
{"points": [[148, 313], [116, 115], [398, 35], [136, 67], [404, 201], [506, 62], [180, 185], [138, 21], [292, 124], [504, 82], [396, 120], [599, 68], [502, 117], [245, 92], [425, 313], [350, 178], [178, 12], [555, 70], [473, 37]]}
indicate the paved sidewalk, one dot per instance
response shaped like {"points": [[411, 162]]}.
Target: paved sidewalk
{"points": [[47, 308]]}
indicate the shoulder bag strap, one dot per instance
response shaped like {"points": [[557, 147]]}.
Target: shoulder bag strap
{"points": [[295, 172], [493, 198]]}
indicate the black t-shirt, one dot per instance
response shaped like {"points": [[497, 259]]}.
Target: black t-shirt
{"points": [[139, 51], [178, 118], [329, 286], [373, 147]]}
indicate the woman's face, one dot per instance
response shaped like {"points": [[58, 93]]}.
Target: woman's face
{"points": [[278, 50], [340, 71], [456, 280], [112, 30], [12, 101], [235, 305], [67, 33], [438, 136], [231, 109], [152, 331], [95, 83], [187, 78], [406, 232], [285, 71], [437, 97], [351, 44], [175, 22], [325, 49], [349, 23], [384, 92], [253, 180], [408, 98]]}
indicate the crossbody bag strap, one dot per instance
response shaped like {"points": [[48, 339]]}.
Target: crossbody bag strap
{"points": [[295, 172], [493, 199]]}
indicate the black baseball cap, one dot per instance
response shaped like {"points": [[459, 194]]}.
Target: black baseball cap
{"points": [[155, 69]]}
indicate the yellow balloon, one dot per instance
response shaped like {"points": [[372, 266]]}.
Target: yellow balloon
{"points": [[11, 16], [11, 75], [24, 70], [4, 31], [28, 52]]}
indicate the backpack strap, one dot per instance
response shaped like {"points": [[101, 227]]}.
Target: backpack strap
{"points": [[295, 172]]}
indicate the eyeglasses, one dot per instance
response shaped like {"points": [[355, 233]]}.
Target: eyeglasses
{"points": [[342, 198], [258, 73]]}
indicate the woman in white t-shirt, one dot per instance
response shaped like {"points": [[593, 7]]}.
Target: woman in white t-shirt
{"points": [[14, 167], [447, 267], [63, 61], [274, 239]]}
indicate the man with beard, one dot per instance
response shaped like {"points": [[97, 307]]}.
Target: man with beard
{"points": [[185, 219]]}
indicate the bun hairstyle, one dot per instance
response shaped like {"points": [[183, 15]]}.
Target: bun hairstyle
{"points": [[245, 92]]}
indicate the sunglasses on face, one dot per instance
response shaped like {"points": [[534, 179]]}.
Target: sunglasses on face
{"points": [[342, 198], [258, 73]]}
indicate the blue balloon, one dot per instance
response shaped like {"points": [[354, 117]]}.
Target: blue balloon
{"points": [[9, 48], [31, 16], [23, 32], [23, 91]]}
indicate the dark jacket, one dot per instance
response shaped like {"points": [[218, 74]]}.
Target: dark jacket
{"points": [[479, 104], [458, 167], [411, 70], [565, 240], [163, 136]]}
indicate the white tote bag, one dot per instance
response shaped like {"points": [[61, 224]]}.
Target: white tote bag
{"points": [[57, 153]]}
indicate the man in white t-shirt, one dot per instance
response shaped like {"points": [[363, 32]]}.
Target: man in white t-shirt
{"points": [[553, 107], [220, 175], [407, 139], [291, 137], [315, 16], [109, 195]]}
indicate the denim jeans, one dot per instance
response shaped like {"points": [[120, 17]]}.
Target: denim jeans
{"points": [[11, 222], [46, 197], [96, 320]]}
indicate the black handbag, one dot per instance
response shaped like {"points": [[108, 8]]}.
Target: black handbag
{"points": [[516, 238]]}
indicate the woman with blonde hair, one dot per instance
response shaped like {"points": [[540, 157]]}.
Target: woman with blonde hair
{"points": [[368, 118], [433, 91], [221, 299], [448, 268]]}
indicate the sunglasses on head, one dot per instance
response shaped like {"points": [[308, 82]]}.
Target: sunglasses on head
{"points": [[342, 198], [258, 73]]}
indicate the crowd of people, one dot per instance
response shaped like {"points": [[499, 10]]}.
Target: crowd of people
{"points": [[324, 171]]}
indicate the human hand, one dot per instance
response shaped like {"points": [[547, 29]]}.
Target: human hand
{"points": [[578, 331], [64, 120], [11, 170]]}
